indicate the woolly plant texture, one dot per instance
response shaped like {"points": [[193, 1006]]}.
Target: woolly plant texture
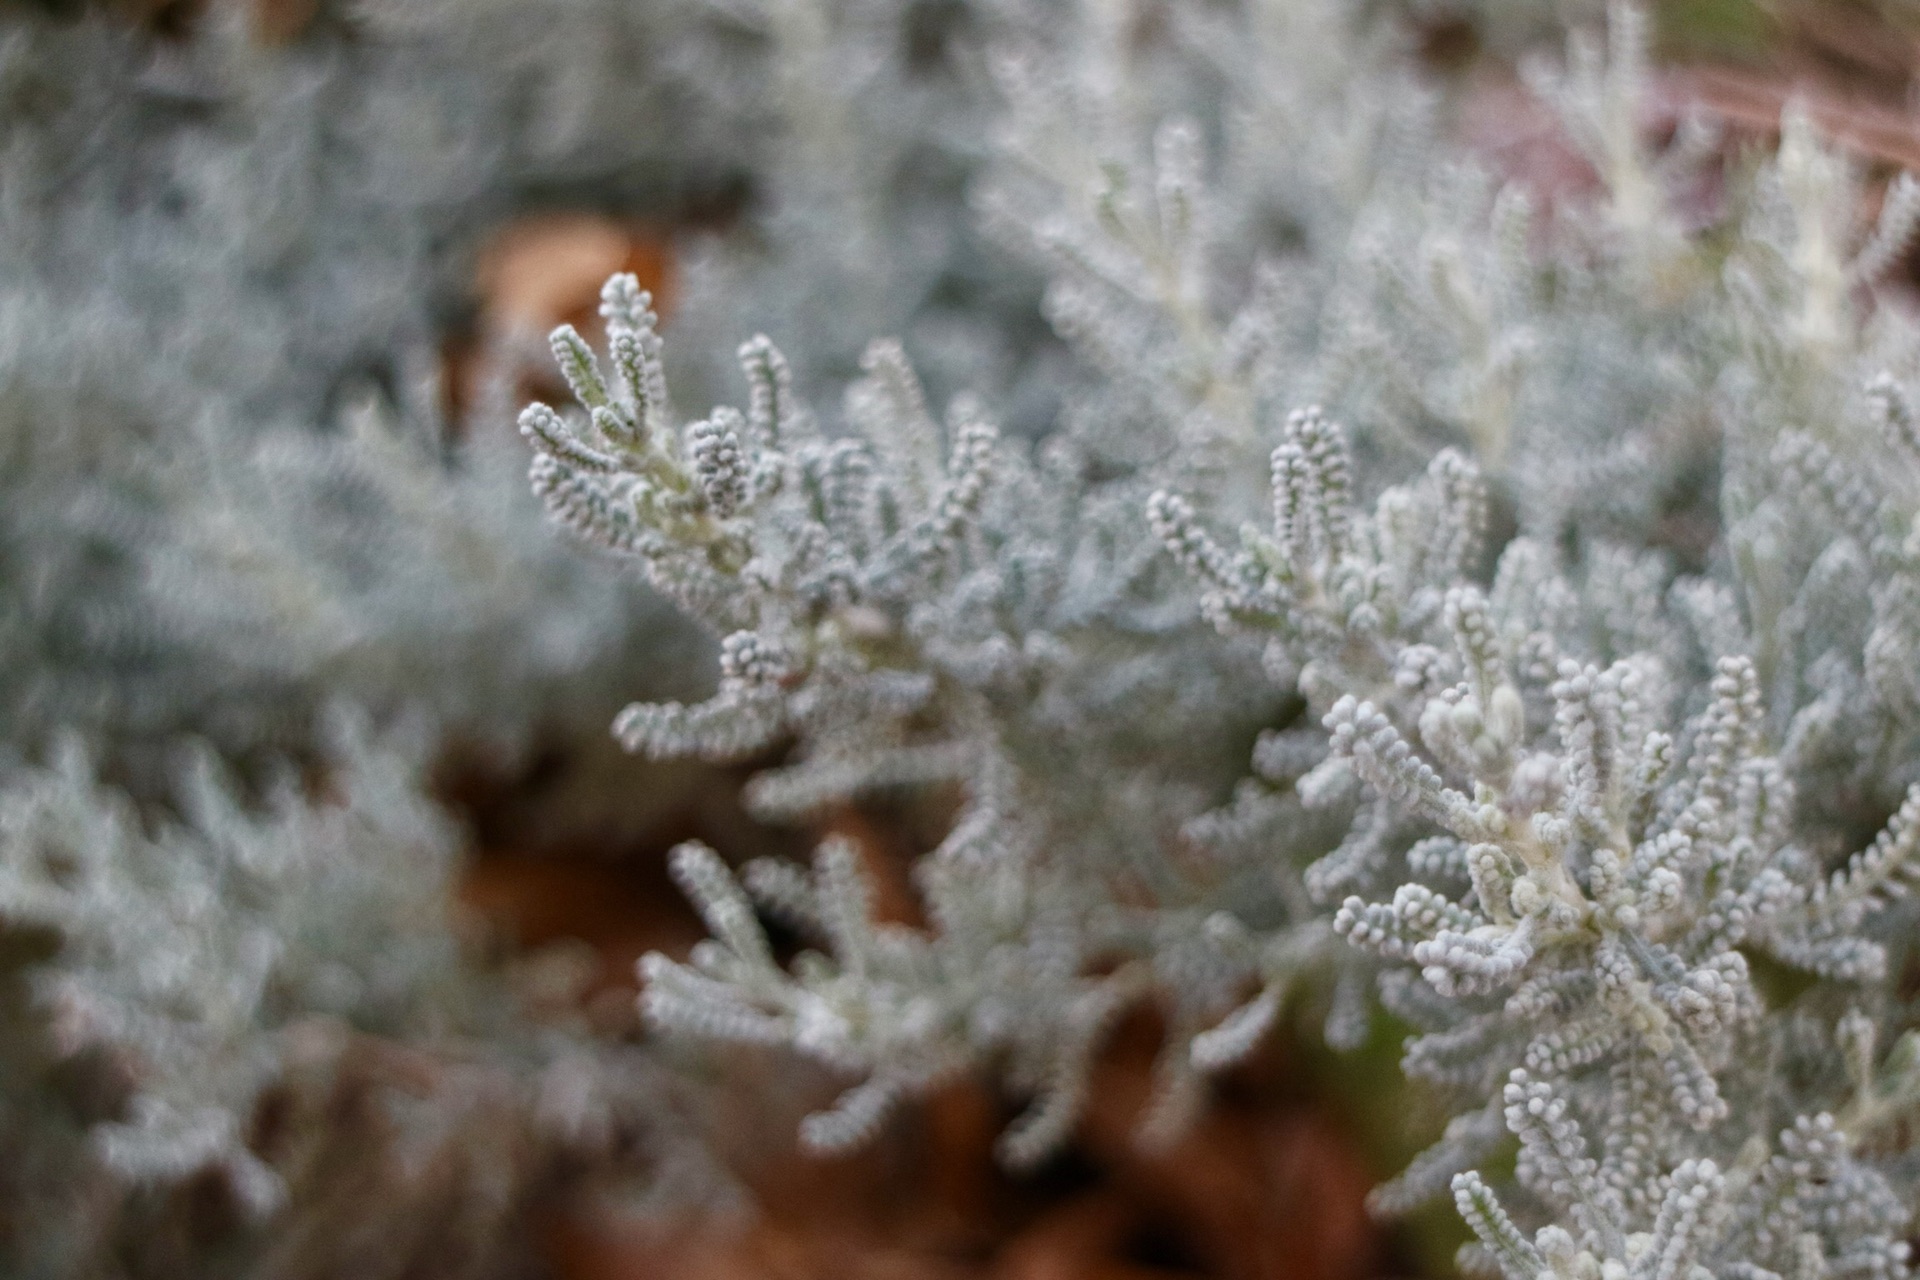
{"points": [[1572, 635], [274, 1010]]}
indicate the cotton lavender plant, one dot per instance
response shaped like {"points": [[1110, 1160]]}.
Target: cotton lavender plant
{"points": [[242, 1010], [233, 492], [276, 1005], [860, 610], [872, 119], [232, 498], [1617, 817]]}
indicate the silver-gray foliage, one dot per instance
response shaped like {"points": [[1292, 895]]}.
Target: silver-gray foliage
{"points": [[1572, 630], [228, 503], [220, 255], [274, 1001]]}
